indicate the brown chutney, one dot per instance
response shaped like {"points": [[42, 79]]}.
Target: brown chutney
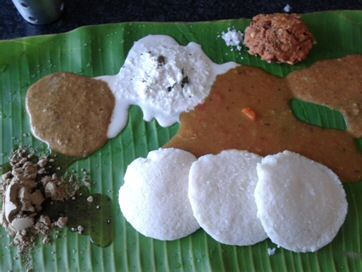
{"points": [[219, 123], [70, 113], [336, 84]]}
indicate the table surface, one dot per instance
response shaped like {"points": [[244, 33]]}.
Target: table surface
{"points": [[88, 12]]}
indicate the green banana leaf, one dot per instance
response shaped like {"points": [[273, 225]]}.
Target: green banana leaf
{"points": [[100, 50]]}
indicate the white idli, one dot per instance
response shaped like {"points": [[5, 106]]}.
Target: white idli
{"points": [[221, 192], [301, 203], [153, 198]]}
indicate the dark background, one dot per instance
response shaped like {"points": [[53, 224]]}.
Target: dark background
{"points": [[87, 12]]}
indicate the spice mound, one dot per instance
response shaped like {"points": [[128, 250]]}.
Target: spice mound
{"points": [[279, 37], [24, 189]]}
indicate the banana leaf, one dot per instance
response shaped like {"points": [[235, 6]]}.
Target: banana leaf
{"points": [[100, 50]]}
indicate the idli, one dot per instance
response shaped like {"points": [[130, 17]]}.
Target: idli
{"points": [[301, 203], [153, 198], [221, 192]]}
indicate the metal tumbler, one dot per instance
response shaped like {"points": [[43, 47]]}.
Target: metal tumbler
{"points": [[39, 12]]}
